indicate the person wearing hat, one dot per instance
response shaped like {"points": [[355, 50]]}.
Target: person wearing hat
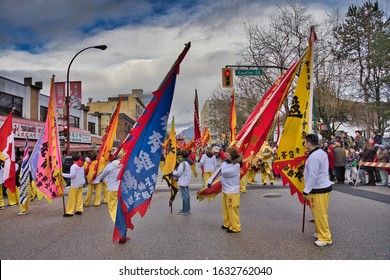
{"points": [[77, 181], [383, 157]]}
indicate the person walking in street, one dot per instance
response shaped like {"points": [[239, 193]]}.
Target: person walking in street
{"points": [[229, 172], [109, 175], [317, 189], [77, 181], [183, 172], [93, 184]]}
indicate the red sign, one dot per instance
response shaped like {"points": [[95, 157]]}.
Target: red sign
{"points": [[75, 94], [59, 89]]}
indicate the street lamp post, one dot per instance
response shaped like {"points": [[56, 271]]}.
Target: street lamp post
{"points": [[100, 47]]}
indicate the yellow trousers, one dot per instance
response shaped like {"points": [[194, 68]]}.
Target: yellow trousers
{"points": [[33, 191], [231, 211], [206, 177], [194, 171], [319, 207], [75, 200], [105, 193], [1, 196], [112, 197], [13, 198], [98, 194], [251, 176], [267, 173], [243, 182]]}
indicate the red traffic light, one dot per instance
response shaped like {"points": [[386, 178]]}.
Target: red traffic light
{"points": [[227, 73]]}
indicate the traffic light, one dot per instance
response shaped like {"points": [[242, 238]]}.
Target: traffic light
{"points": [[227, 77]]}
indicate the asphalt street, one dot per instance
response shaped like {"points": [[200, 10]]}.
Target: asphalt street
{"points": [[271, 229]]}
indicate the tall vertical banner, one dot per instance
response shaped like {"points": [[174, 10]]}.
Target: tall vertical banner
{"points": [[75, 94], [24, 176], [197, 134], [142, 152], [291, 154], [233, 118], [107, 143], [7, 153], [256, 128], [49, 165], [60, 94]]}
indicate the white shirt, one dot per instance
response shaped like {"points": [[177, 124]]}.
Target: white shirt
{"points": [[230, 177], [183, 171], [209, 163], [76, 175], [110, 175], [316, 171]]}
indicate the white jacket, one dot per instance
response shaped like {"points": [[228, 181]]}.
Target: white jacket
{"points": [[230, 177], [110, 175], [76, 175], [183, 171], [209, 163]]}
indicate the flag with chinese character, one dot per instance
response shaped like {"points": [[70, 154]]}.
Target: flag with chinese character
{"points": [[233, 118], [48, 177], [256, 128], [106, 146], [7, 153], [291, 154], [197, 134], [170, 163], [24, 176], [142, 152]]}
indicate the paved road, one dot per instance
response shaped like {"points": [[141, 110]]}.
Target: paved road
{"points": [[271, 229]]}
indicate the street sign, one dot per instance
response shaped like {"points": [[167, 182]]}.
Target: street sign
{"points": [[257, 72]]}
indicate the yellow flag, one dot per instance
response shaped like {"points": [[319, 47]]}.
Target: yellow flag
{"points": [[291, 154], [171, 151]]}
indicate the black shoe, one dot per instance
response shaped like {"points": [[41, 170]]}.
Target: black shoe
{"points": [[231, 231], [223, 227], [67, 215], [264, 184], [272, 184], [78, 213], [351, 184], [122, 240]]}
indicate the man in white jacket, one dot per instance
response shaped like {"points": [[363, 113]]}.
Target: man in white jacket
{"points": [[183, 171], [208, 163], [77, 180]]}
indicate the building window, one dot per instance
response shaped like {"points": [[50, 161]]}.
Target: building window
{"points": [[7, 102], [74, 121], [92, 127], [42, 113]]}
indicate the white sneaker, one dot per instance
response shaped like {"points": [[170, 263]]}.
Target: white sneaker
{"points": [[315, 235], [22, 213], [322, 243]]}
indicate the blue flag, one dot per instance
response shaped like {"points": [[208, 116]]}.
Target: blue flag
{"points": [[142, 152]]}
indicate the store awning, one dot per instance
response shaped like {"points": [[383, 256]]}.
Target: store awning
{"points": [[80, 147]]}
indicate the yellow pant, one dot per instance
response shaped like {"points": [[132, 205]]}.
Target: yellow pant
{"points": [[251, 175], [112, 197], [319, 207], [105, 193], [243, 182], [1, 196], [231, 211], [194, 170], [13, 198], [267, 173], [206, 177], [75, 200], [98, 194]]}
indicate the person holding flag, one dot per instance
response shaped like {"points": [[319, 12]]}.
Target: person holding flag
{"points": [[183, 172], [208, 163], [93, 184], [317, 189], [229, 172], [25, 182], [77, 181]]}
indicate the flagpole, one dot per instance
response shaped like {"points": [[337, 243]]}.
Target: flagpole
{"points": [[303, 216]]}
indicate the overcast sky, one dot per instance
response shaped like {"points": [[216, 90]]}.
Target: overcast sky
{"points": [[39, 38]]}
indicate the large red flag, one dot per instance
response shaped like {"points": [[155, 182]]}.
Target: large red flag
{"points": [[256, 128], [7, 153]]}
